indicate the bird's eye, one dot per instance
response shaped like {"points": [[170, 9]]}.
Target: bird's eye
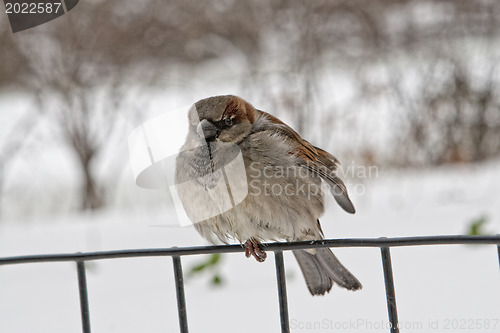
{"points": [[228, 121]]}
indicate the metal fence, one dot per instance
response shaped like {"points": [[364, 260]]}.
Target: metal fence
{"points": [[176, 253]]}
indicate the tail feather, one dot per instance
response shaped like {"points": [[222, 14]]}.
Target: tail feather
{"points": [[323, 268], [317, 280], [336, 270]]}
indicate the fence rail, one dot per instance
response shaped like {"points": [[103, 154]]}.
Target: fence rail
{"points": [[176, 253]]}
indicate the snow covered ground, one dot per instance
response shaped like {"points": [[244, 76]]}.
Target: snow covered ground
{"points": [[438, 288]]}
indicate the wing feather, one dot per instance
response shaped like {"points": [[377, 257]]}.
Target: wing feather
{"points": [[314, 159]]}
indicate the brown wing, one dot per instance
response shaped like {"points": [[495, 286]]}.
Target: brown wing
{"points": [[316, 160]]}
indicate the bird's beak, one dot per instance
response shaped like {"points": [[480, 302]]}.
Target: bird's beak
{"points": [[207, 130]]}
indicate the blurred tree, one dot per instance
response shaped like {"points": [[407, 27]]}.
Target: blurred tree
{"points": [[79, 86], [15, 139]]}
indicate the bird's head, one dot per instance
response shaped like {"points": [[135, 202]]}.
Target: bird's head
{"points": [[227, 119]]}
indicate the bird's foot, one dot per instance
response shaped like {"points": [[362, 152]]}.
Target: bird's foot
{"points": [[252, 248]]}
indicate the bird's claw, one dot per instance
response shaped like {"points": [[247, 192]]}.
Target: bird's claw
{"points": [[252, 248]]}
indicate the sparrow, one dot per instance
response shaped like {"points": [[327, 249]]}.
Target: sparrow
{"points": [[275, 193]]}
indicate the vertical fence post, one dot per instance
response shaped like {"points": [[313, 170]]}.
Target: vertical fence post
{"points": [[498, 249], [283, 302], [181, 300], [389, 289], [84, 299]]}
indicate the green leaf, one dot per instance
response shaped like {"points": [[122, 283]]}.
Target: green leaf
{"points": [[211, 262], [198, 268], [476, 226], [214, 259], [217, 280]]}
